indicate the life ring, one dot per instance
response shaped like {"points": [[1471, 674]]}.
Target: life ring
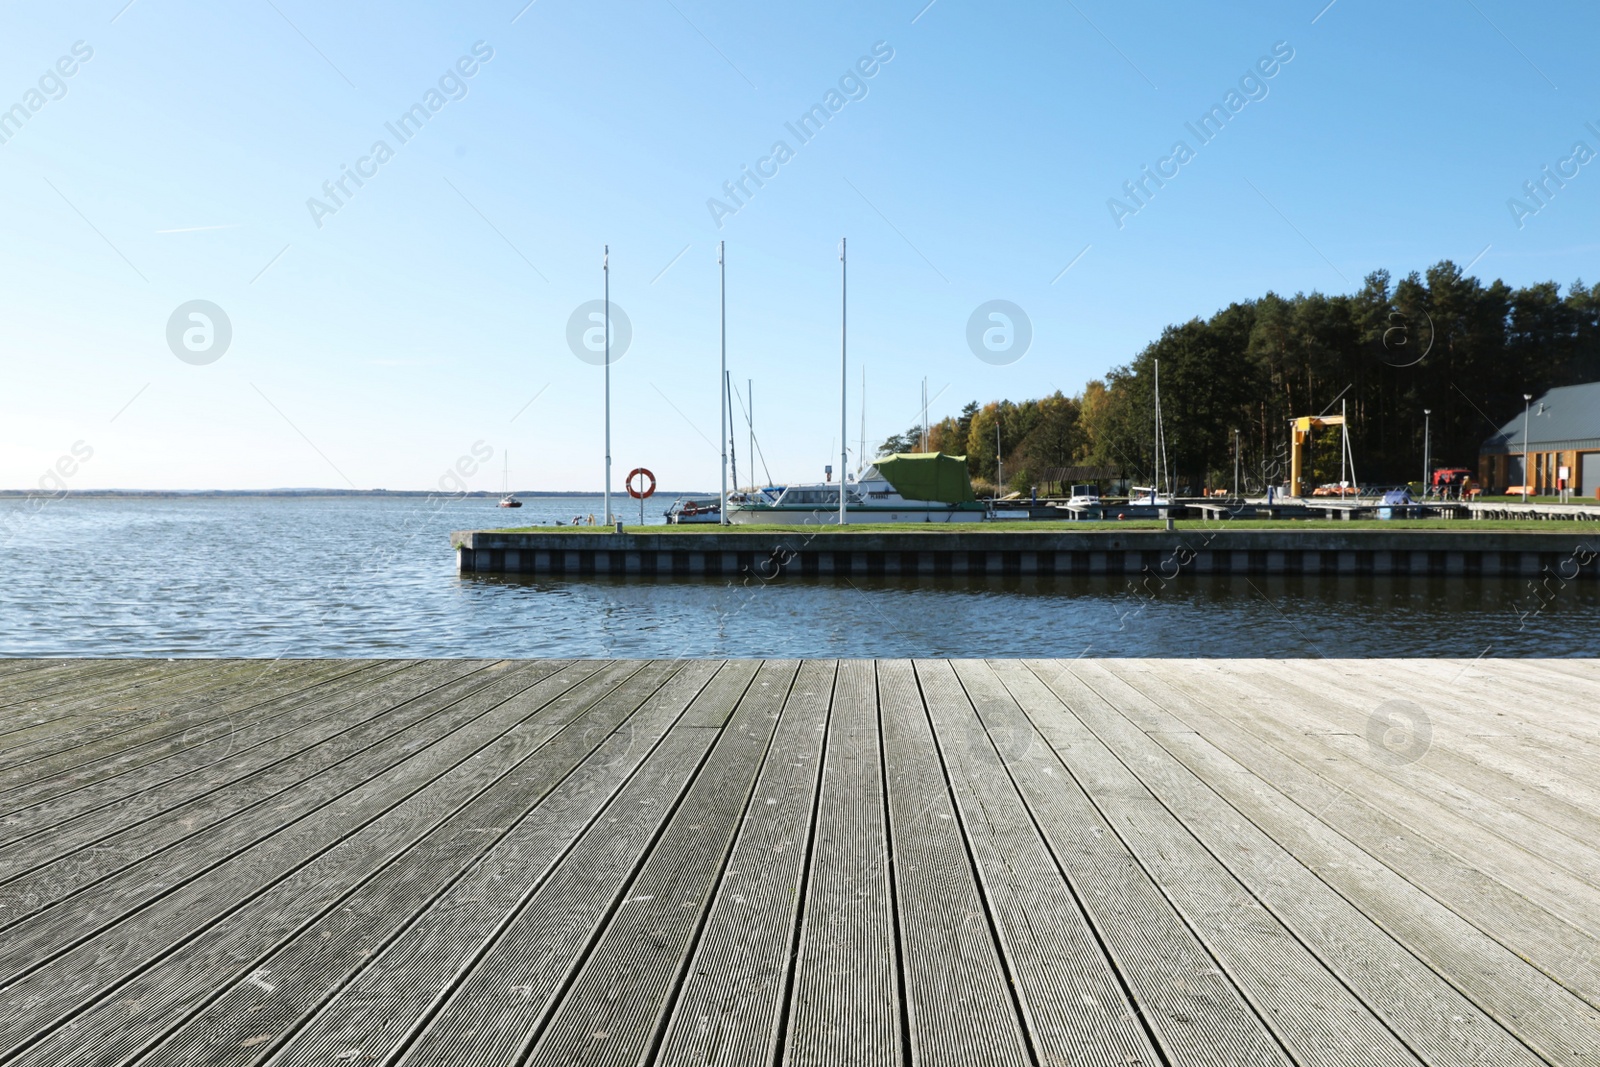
{"points": [[648, 490], [690, 510]]}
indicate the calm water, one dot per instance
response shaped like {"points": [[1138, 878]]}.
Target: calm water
{"points": [[375, 577]]}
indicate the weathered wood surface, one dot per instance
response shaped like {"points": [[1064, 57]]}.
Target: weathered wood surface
{"points": [[1104, 862]]}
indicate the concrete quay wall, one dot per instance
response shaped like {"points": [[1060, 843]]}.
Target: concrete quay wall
{"points": [[769, 553]]}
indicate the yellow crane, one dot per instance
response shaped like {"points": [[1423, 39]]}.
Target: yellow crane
{"points": [[1302, 429]]}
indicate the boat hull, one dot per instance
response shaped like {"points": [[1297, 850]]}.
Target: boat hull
{"points": [[803, 516]]}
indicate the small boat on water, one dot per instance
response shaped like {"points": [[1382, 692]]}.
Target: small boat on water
{"points": [[685, 511], [1084, 502], [904, 487], [507, 500]]}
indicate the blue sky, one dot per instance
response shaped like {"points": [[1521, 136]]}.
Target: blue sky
{"points": [[377, 344]]}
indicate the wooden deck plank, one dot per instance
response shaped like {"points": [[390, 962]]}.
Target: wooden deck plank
{"points": [[109, 725], [1413, 795], [1199, 1016], [1546, 1017], [356, 989], [316, 853], [1543, 773], [496, 1005], [645, 948], [265, 968], [1162, 862], [1341, 715], [957, 992], [65, 708], [729, 1009], [190, 699], [78, 676], [1270, 965], [44, 870], [1073, 1001], [1432, 1016], [50, 798], [1493, 888], [25, 680], [845, 1008]]}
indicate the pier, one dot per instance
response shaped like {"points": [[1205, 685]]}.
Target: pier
{"points": [[781, 862], [765, 553]]}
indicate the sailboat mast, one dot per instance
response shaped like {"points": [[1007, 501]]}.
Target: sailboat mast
{"points": [[844, 375], [733, 453], [861, 453], [605, 267], [750, 424], [722, 273]]}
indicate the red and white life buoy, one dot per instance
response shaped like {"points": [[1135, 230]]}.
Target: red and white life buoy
{"points": [[648, 490]]}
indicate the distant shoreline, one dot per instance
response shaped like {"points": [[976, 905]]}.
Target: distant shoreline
{"points": [[189, 494]]}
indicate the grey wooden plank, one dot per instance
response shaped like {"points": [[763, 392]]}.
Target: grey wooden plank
{"points": [[67, 704], [957, 994], [645, 947], [394, 994], [1073, 1002], [81, 896], [263, 969], [1473, 871], [1253, 776], [1578, 677], [105, 721], [321, 853], [1179, 989], [1414, 1000], [26, 679], [1475, 822], [730, 1006], [1532, 766], [346, 986], [107, 724], [129, 770], [845, 1007], [59, 676], [1341, 708], [504, 992], [65, 860], [1272, 968]]}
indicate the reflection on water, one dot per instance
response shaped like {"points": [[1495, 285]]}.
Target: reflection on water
{"points": [[376, 577]]}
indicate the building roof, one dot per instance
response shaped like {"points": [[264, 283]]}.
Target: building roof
{"points": [[1567, 419]]}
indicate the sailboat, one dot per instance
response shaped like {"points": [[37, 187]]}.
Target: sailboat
{"points": [[508, 501], [1153, 494]]}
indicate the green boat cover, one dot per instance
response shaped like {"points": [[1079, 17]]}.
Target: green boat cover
{"points": [[927, 476]]}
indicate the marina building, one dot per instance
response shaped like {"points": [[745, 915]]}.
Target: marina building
{"points": [[1562, 440]]}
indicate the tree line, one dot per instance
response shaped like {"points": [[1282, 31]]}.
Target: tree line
{"points": [[1439, 340]]}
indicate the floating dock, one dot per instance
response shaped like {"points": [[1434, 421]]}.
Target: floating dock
{"points": [[770, 552], [777, 862]]}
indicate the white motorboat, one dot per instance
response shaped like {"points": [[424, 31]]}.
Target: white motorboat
{"points": [[905, 487], [691, 510]]}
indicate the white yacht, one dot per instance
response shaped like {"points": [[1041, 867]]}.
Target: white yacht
{"points": [[905, 487]]}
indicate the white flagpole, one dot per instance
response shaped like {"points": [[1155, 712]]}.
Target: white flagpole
{"points": [[844, 381], [722, 395], [605, 268]]}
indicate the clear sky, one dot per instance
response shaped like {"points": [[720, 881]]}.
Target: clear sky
{"points": [[378, 335]]}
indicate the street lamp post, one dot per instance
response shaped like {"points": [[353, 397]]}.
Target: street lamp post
{"points": [[1527, 401], [1426, 443], [1236, 464]]}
